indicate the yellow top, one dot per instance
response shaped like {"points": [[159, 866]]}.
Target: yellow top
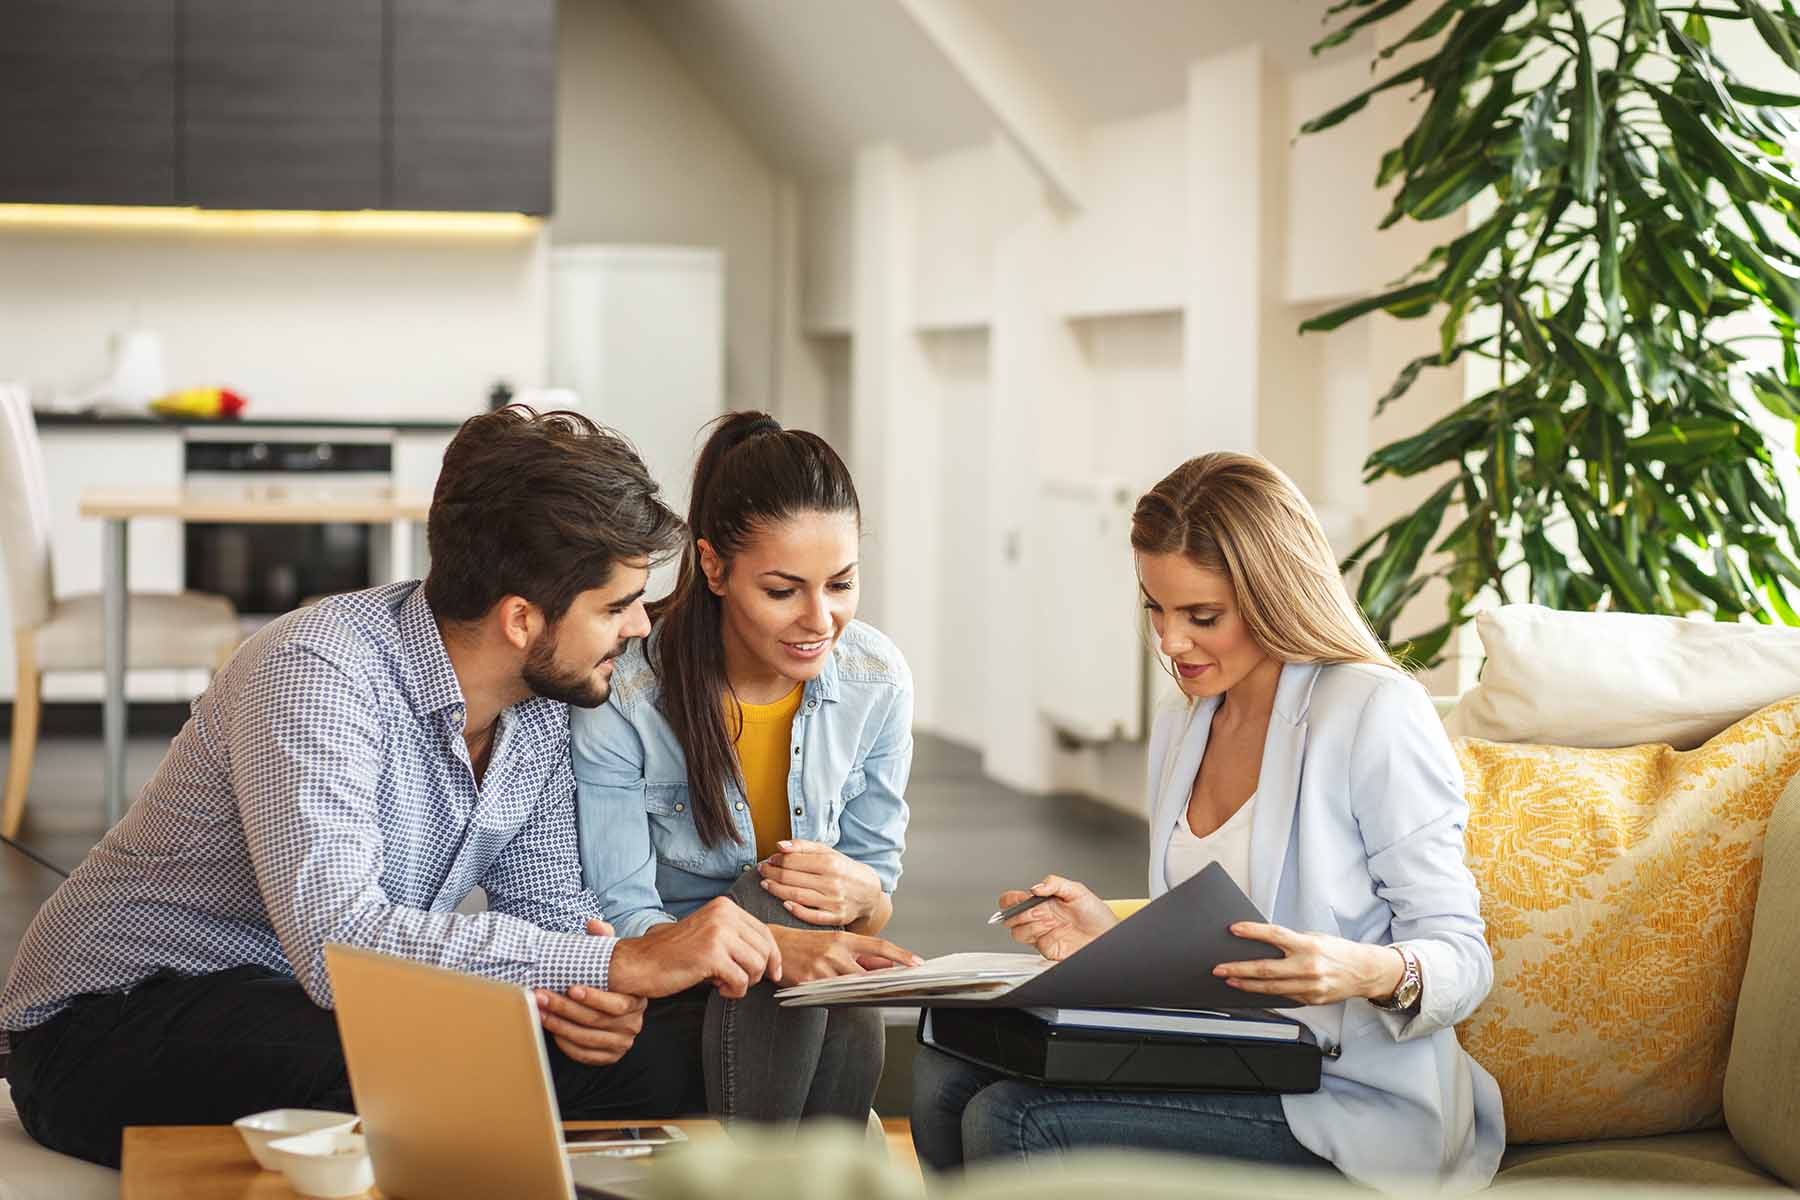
{"points": [[764, 754]]}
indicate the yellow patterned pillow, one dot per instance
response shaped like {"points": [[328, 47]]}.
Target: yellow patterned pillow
{"points": [[1618, 888]]}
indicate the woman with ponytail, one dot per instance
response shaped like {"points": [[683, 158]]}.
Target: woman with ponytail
{"points": [[757, 747]]}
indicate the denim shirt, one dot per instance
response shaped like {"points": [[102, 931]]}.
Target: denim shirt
{"points": [[641, 852]]}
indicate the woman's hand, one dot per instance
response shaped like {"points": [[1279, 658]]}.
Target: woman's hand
{"points": [[1058, 929], [809, 954], [820, 885], [1315, 968]]}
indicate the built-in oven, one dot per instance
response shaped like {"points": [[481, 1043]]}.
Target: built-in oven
{"points": [[266, 570]]}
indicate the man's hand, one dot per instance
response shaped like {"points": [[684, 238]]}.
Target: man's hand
{"points": [[809, 954], [589, 1025], [719, 942], [821, 885]]}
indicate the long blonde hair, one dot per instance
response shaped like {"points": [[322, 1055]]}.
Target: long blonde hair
{"points": [[1239, 515]]}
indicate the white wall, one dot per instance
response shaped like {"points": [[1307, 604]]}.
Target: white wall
{"points": [[321, 324], [1159, 320], [644, 155], [1126, 251], [958, 364]]}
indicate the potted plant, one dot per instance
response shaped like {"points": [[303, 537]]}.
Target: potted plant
{"points": [[1632, 271]]}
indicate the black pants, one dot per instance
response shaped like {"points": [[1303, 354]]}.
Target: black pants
{"points": [[208, 1049]]}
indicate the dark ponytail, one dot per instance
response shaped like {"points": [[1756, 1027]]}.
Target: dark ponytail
{"points": [[752, 474]]}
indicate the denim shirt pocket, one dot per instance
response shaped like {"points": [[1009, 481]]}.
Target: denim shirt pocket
{"points": [[855, 784], [672, 829]]}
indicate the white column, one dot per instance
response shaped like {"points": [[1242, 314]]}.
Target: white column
{"points": [[1041, 424], [799, 391], [894, 420], [1228, 205]]}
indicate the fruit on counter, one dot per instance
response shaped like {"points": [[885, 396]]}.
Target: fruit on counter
{"points": [[199, 402]]}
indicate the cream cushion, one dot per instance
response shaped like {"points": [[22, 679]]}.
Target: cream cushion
{"points": [[1620, 679], [185, 630], [30, 1172], [1708, 1159]]}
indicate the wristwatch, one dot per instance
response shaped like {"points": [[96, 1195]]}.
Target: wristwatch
{"points": [[1405, 996]]}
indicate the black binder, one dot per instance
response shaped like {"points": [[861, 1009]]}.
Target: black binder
{"points": [[1021, 1045]]}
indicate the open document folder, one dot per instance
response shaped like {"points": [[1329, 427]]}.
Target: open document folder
{"points": [[1162, 957]]}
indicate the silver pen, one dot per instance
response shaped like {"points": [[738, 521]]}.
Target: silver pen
{"points": [[1013, 910]]}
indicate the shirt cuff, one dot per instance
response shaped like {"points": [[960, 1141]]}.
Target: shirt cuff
{"points": [[1435, 961], [575, 960]]}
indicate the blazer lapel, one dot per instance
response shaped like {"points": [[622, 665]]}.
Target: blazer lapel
{"points": [[1278, 786], [1178, 767]]}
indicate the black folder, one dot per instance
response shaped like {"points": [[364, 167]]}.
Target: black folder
{"points": [[1024, 1046], [1161, 957]]}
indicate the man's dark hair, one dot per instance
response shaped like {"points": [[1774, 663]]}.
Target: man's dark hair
{"points": [[540, 506]]}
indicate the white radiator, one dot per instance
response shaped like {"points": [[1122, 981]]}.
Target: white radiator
{"points": [[1088, 677]]}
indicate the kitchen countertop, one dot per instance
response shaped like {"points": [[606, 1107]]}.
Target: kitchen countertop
{"points": [[52, 419]]}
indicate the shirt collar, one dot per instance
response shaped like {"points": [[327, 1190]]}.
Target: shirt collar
{"points": [[825, 686], [427, 662]]}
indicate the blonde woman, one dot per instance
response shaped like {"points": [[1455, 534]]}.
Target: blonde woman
{"points": [[1315, 771]]}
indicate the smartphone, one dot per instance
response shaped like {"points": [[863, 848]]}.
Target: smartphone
{"points": [[622, 1138]]}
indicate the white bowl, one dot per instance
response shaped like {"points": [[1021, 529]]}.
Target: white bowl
{"points": [[330, 1163], [259, 1129]]}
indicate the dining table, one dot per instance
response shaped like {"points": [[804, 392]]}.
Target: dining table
{"points": [[117, 507]]}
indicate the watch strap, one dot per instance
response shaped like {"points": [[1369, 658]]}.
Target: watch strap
{"points": [[1406, 993]]}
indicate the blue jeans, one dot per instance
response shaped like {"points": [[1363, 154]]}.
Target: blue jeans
{"points": [[962, 1113]]}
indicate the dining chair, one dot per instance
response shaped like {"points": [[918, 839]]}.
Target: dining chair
{"points": [[167, 631]]}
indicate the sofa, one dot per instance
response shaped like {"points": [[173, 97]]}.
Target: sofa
{"points": [[1756, 1149], [30, 1172]]}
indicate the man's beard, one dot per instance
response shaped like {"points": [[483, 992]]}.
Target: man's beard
{"points": [[576, 687]]}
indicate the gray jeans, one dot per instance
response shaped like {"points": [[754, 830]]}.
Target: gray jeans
{"points": [[768, 1063]]}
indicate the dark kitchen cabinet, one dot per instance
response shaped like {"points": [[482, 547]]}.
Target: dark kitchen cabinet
{"points": [[87, 101], [282, 103], [327, 104], [474, 104]]}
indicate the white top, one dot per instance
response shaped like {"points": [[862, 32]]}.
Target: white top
{"points": [[1228, 845]]}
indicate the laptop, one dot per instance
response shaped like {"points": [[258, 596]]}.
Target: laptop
{"points": [[453, 1085]]}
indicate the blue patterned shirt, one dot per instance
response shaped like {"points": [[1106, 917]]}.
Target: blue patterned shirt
{"points": [[321, 792]]}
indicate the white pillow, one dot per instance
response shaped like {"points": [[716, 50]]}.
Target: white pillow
{"points": [[1620, 679]]}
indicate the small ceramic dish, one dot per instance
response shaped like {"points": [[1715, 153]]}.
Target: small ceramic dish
{"points": [[259, 1129], [327, 1164]]}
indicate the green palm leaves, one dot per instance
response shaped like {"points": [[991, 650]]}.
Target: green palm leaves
{"points": [[1635, 282]]}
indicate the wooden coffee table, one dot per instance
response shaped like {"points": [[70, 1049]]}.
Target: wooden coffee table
{"points": [[210, 1162]]}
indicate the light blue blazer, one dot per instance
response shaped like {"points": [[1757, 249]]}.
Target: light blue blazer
{"points": [[1358, 831]]}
